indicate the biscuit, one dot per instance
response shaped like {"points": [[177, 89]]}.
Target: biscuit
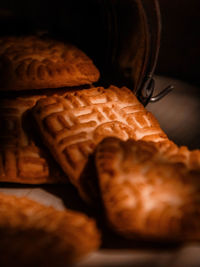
{"points": [[150, 190], [32, 234], [34, 63], [73, 124], [21, 159]]}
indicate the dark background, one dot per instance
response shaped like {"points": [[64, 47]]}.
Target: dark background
{"points": [[180, 43]]}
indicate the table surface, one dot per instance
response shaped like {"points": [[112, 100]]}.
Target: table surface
{"points": [[178, 114]]}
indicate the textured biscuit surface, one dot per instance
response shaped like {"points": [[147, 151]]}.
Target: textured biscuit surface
{"points": [[73, 124], [32, 234], [33, 63], [21, 160], [150, 190]]}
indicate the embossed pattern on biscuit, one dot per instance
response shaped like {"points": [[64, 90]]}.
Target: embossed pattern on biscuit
{"points": [[73, 124], [33, 63], [150, 190], [21, 160], [36, 235]]}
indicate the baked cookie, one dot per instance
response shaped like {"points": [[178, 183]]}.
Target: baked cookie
{"points": [[32, 234], [150, 190], [32, 63], [73, 124], [21, 159]]}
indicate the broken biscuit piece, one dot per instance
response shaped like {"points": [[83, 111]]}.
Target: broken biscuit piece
{"points": [[150, 190], [32, 234]]}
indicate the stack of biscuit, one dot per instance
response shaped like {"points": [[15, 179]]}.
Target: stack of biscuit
{"points": [[103, 141]]}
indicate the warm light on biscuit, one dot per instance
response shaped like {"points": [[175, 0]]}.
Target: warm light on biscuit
{"points": [[73, 124], [150, 190]]}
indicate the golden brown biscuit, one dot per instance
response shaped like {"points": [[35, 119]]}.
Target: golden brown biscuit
{"points": [[33, 63], [21, 160], [150, 190], [32, 234], [73, 124]]}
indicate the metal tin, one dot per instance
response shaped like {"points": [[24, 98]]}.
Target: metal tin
{"points": [[136, 35], [122, 37]]}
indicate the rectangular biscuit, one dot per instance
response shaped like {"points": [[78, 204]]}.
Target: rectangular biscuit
{"points": [[21, 160], [73, 124]]}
